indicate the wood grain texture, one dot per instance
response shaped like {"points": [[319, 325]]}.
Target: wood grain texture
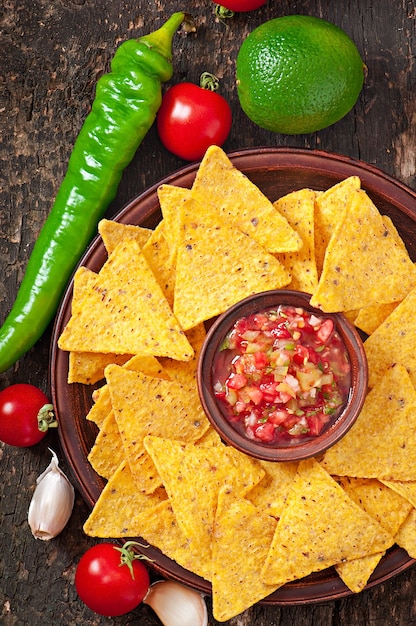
{"points": [[52, 53]]}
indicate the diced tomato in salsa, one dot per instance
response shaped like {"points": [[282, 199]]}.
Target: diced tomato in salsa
{"points": [[284, 375]]}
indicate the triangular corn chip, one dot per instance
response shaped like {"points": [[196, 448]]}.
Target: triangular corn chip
{"points": [[218, 265], [238, 200], [364, 264], [144, 405], [298, 208], [319, 527], [236, 582], [193, 475], [126, 312], [119, 509], [394, 341], [329, 208], [382, 442]]}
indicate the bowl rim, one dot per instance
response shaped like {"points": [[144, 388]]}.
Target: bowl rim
{"points": [[293, 452]]}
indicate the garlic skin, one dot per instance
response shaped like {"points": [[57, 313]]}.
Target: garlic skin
{"points": [[177, 605], [52, 502]]}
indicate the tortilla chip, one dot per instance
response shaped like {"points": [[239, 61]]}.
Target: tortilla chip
{"points": [[371, 317], [298, 208], [144, 405], [218, 265], [238, 200], [101, 396], [185, 371], [119, 508], [406, 536], [161, 529], [101, 407], [406, 489], [394, 342], [363, 264], [382, 442], [126, 312], [171, 198], [107, 453], [193, 475], [112, 233], [272, 491], [319, 527], [156, 252], [329, 208], [385, 506], [236, 582]]}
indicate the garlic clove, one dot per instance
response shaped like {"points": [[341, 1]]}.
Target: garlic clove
{"points": [[52, 502], [177, 605]]}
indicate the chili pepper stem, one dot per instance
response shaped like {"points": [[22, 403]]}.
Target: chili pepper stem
{"points": [[161, 39]]}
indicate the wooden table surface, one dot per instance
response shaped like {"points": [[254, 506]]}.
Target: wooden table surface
{"points": [[52, 53]]}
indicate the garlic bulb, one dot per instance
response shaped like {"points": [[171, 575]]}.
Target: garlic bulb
{"points": [[177, 605], [52, 502]]}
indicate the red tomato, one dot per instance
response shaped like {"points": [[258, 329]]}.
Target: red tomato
{"points": [[104, 582], [19, 408], [191, 119], [238, 6]]}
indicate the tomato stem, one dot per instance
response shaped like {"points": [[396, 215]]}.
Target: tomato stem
{"points": [[223, 13], [128, 555], [46, 418], [209, 81]]}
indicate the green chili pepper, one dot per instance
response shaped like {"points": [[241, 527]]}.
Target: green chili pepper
{"points": [[125, 106]]}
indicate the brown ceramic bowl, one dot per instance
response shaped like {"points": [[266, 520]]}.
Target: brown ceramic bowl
{"points": [[277, 171], [293, 449]]}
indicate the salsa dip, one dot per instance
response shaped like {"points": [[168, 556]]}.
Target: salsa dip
{"points": [[282, 375]]}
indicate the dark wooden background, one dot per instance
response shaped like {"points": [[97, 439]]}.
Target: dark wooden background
{"points": [[51, 54]]}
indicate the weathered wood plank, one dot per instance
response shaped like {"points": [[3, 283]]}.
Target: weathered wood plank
{"points": [[52, 54]]}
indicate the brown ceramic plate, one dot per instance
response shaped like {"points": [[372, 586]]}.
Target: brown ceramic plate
{"points": [[276, 171]]}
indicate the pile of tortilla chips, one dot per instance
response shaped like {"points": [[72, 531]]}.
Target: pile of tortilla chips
{"points": [[247, 526]]}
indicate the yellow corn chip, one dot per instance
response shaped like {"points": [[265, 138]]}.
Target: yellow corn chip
{"points": [[363, 265], [107, 453], [87, 368], [185, 371], [385, 506], [238, 200], [101, 407], [382, 442], [171, 198], [193, 475], [126, 312], [406, 535], [371, 317], [144, 405], [112, 233], [160, 528], [156, 252], [146, 364], [218, 265], [119, 509], [298, 208], [241, 539], [406, 489], [329, 208], [394, 341], [272, 491], [319, 527]]}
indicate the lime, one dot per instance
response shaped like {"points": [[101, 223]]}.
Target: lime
{"points": [[298, 74]]}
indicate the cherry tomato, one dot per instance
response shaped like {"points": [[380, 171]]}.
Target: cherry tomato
{"points": [[239, 6], [192, 118], [21, 408], [111, 580]]}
